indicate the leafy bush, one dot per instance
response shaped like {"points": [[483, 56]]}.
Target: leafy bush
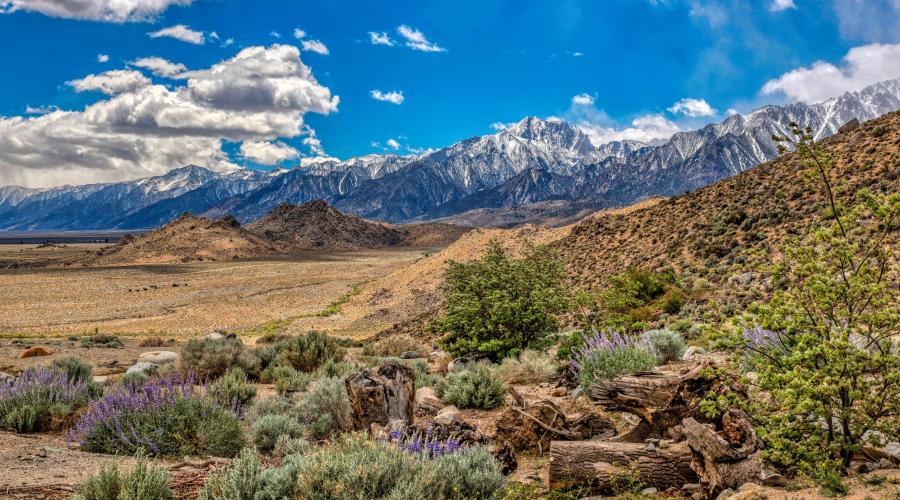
{"points": [[246, 479], [31, 402], [267, 430], [233, 389], [665, 344], [531, 367], [209, 359], [422, 376], [325, 409], [607, 355], [499, 305], [102, 340], [75, 369], [476, 386], [396, 345], [288, 380], [286, 446], [143, 482], [160, 417], [339, 369], [356, 468], [307, 352]]}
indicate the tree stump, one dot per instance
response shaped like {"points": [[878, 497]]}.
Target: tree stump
{"points": [[602, 464], [724, 459], [382, 395]]}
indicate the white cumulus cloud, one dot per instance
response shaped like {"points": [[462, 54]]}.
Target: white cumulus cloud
{"points": [[113, 11], [259, 95], [393, 144], [111, 82], [647, 128], [299, 34], [102, 58], [268, 152], [159, 66], [393, 97], [416, 40], [780, 5], [583, 100], [381, 38], [862, 66], [180, 32], [692, 107], [315, 46]]}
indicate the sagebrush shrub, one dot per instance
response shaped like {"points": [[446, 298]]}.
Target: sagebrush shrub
{"points": [[246, 479], [396, 345], [665, 344], [30, 402], [156, 342], [209, 359], [325, 409], [476, 386], [102, 340], [531, 367], [307, 352], [233, 389], [607, 355], [287, 379], [75, 369], [144, 481], [167, 417], [268, 429], [422, 375]]}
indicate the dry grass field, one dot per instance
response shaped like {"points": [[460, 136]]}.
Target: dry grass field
{"points": [[183, 299]]}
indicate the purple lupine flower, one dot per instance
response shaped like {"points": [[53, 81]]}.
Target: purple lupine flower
{"points": [[760, 338], [424, 446], [609, 340]]}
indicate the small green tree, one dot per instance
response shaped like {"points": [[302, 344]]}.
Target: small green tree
{"points": [[825, 346], [499, 305]]}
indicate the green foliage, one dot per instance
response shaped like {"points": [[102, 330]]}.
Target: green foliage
{"points": [[499, 305], [666, 345], [476, 386], [23, 419], [632, 299], [570, 344], [608, 355], [102, 340], [332, 369], [209, 359], [233, 388], [325, 409], [246, 479], [825, 348], [307, 352], [267, 430], [143, 482], [288, 380], [75, 369], [422, 376], [531, 367], [396, 345], [354, 468]]}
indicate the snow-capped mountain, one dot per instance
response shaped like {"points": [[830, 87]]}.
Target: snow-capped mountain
{"points": [[531, 161]]}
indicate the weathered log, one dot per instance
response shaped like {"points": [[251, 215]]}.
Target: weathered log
{"points": [[532, 426], [600, 465], [724, 459], [382, 395], [661, 399]]}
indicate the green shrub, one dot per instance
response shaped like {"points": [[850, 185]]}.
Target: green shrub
{"points": [[665, 344], [339, 369], [102, 340], [531, 367], [286, 446], [23, 419], [354, 468], [40, 399], [246, 479], [307, 352], [423, 377], [233, 389], [476, 386], [607, 355], [570, 344], [143, 482], [267, 430], [209, 359], [396, 345], [133, 378], [499, 305], [75, 369], [325, 409], [287, 379]]}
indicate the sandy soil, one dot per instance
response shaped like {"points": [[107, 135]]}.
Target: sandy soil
{"points": [[185, 299]]}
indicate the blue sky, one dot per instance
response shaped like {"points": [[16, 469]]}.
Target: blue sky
{"points": [[616, 67]]}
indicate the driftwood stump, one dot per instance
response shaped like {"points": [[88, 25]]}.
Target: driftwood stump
{"points": [[382, 395], [603, 463], [727, 458]]}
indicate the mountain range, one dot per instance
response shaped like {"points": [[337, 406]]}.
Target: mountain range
{"points": [[528, 163]]}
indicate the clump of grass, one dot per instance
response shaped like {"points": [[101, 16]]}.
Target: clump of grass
{"points": [[209, 359], [423, 377], [531, 367], [143, 482], [233, 389], [102, 340], [75, 369], [475, 386], [156, 342]]}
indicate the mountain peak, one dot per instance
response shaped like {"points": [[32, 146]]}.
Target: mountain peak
{"points": [[553, 131]]}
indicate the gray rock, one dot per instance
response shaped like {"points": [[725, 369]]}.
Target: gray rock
{"points": [[142, 367], [101, 379], [691, 488], [6, 378], [447, 415], [427, 403], [693, 352], [159, 357], [214, 336], [893, 449], [649, 491], [410, 355], [746, 278], [726, 493]]}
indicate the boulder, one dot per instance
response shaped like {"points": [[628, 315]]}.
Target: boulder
{"points": [[159, 357], [214, 336], [101, 379], [410, 355], [693, 352], [447, 416], [427, 403], [142, 367], [35, 351]]}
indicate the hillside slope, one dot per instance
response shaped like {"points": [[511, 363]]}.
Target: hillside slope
{"points": [[718, 238]]}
